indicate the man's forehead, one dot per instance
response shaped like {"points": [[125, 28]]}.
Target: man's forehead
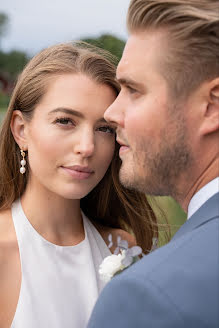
{"points": [[142, 50], [129, 59], [131, 50]]}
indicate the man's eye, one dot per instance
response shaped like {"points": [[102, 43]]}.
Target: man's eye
{"points": [[64, 121], [106, 129], [130, 89]]}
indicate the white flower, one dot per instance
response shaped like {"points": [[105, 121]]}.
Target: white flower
{"points": [[122, 258], [111, 265]]}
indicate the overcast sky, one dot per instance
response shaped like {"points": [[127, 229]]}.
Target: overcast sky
{"points": [[37, 24]]}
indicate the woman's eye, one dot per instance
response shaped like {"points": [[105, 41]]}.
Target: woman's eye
{"points": [[64, 121], [106, 129]]}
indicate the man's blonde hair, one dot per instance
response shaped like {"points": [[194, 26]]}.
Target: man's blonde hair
{"points": [[192, 29]]}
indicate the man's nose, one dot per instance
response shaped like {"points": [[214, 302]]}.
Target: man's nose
{"points": [[114, 113], [86, 144]]}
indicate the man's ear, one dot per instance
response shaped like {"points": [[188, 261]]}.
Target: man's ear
{"points": [[211, 115], [18, 129]]}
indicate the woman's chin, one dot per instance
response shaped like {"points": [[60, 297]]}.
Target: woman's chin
{"points": [[74, 194]]}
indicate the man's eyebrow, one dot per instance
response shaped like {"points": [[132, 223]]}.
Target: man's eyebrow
{"points": [[125, 81], [68, 111]]}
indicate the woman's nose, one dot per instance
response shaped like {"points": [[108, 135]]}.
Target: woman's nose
{"points": [[85, 145]]}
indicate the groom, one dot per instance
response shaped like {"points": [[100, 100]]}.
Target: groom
{"points": [[167, 118]]}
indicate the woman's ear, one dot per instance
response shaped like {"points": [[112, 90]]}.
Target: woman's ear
{"points": [[18, 129], [211, 115]]}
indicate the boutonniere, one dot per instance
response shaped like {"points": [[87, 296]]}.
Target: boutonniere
{"points": [[122, 258]]}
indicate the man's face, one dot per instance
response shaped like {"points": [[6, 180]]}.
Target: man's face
{"points": [[150, 127]]}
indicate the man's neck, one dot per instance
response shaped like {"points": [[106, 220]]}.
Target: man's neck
{"points": [[210, 173]]}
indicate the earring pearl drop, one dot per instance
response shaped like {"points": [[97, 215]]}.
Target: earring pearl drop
{"points": [[22, 170], [23, 163]]}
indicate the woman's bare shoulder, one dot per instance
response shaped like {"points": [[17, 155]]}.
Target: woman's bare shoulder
{"points": [[7, 232], [9, 269], [8, 240]]}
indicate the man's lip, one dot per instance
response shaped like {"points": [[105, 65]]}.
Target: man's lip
{"points": [[121, 143], [123, 149], [79, 168]]}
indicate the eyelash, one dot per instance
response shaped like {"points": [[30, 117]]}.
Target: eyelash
{"points": [[60, 121], [110, 130], [130, 89]]}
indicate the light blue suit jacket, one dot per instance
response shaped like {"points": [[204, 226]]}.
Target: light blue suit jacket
{"points": [[176, 286]]}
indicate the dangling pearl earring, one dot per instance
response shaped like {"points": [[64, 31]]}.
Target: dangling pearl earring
{"points": [[23, 162]]}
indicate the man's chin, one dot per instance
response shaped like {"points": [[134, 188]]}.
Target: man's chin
{"points": [[129, 179], [125, 176]]}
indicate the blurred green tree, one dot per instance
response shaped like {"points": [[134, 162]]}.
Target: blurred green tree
{"points": [[12, 63], [108, 42]]}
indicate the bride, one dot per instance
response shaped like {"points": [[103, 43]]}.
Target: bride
{"points": [[60, 195]]}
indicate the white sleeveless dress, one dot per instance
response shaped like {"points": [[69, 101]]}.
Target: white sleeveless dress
{"points": [[60, 284]]}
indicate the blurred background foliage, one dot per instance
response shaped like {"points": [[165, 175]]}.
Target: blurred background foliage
{"points": [[108, 42], [12, 63], [170, 216]]}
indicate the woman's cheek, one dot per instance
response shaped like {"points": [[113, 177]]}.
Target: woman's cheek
{"points": [[105, 153], [108, 156], [43, 153]]}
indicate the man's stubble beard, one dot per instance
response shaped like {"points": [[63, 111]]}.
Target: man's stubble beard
{"points": [[156, 170]]}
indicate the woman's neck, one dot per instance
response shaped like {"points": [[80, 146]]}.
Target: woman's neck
{"points": [[57, 219]]}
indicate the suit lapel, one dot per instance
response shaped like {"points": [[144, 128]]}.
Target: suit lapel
{"points": [[208, 211]]}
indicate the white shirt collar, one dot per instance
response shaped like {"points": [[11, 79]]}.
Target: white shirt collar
{"points": [[202, 196]]}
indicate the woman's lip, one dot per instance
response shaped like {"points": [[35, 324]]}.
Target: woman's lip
{"points": [[80, 168], [123, 149], [80, 175]]}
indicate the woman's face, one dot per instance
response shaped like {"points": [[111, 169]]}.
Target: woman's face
{"points": [[70, 145]]}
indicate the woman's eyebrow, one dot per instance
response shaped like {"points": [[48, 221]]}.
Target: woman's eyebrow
{"points": [[68, 111], [102, 120]]}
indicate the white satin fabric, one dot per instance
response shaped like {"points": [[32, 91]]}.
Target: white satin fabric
{"points": [[60, 284]]}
